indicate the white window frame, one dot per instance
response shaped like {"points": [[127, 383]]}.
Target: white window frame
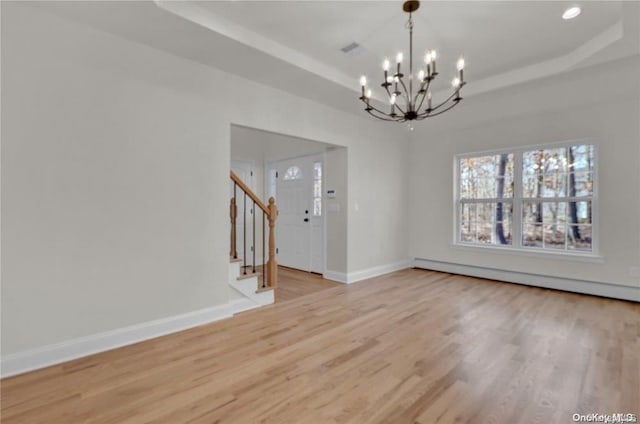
{"points": [[516, 247], [321, 180]]}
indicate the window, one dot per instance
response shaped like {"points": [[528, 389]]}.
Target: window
{"points": [[530, 199], [293, 173], [486, 199], [557, 198], [273, 184], [317, 189]]}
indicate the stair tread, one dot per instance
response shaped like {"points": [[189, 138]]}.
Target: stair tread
{"points": [[232, 260], [260, 290], [249, 275]]}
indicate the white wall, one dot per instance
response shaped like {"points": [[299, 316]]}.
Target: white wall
{"points": [[602, 103], [336, 178], [252, 144], [115, 162]]}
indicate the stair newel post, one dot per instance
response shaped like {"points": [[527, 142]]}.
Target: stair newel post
{"points": [[272, 265], [233, 213]]}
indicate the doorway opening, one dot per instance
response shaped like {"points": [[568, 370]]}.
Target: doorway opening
{"points": [[307, 179]]}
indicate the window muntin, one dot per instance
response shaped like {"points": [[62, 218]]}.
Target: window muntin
{"points": [[553, 195]]}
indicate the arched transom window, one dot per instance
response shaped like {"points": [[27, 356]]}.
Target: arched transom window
{"points": [[293, 173]]}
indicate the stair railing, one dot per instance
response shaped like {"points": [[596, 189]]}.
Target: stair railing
{"points": [[270, 214]]}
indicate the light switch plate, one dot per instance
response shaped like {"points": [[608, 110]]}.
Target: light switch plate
{"points": [[333, 207]]}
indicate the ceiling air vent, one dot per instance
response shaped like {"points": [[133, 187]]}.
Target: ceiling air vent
{"points": [[349, 47], [352, 49]]}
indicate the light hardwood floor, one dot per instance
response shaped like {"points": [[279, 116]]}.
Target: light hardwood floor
{"points": [[294, 283], [409, 347]]}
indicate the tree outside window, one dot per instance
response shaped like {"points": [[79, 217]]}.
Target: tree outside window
{"points": [[544, 197]]}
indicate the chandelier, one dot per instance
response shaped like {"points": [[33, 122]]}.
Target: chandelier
{"points": [[405, 106]]}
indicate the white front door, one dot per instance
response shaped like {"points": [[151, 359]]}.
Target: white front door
{"points": [[299, 234]]}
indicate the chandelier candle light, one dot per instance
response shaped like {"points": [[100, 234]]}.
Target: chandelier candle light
{"points": [[411, 109]]}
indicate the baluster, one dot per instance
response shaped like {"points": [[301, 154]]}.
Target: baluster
{"points": [[244, 235], [264, 265], [233, 212], [235, 220], [253, 239]]}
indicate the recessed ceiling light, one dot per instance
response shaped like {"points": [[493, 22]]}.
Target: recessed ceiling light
{"points": [[571, 13]]}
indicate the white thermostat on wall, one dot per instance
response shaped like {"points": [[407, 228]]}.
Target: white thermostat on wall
{"points": [[331, 194]]}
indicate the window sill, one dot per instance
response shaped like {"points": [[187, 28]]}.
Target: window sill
{"points": [[560, 255]]}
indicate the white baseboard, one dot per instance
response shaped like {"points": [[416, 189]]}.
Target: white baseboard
{"points": [[378, 270], [21, 362], [242, 305], [339, 277], [616, 291], [364, 274]]}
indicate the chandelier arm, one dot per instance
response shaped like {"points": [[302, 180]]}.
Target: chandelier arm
{"points": [[388, 92], [381, 117], [424, 94], [455, 93], [399, 108], [377, 110], [365, 102], [423, 89], [431, 115], [421, 100], [407, 95], [390, 118]]}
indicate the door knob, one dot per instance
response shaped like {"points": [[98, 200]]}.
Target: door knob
{"points": [[306, 220]]}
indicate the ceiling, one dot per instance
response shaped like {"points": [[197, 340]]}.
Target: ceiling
{"points": [[494, 36], [503, 42], [295, 45]]}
